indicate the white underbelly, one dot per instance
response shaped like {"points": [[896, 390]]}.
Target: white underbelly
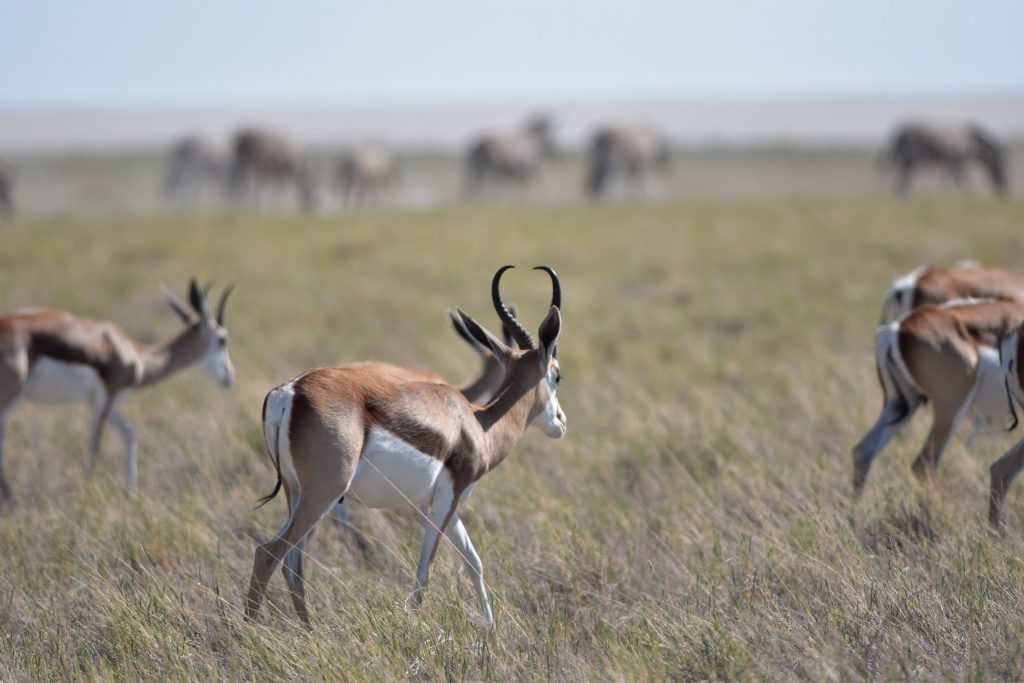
{"points": [[54, 381], [392, 474]]}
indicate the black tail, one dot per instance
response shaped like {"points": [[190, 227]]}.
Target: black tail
{"points": [[275, 457]]}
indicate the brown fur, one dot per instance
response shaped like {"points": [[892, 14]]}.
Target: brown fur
{"points": [[938, 284]]}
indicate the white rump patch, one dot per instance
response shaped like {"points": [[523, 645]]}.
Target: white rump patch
{"points": [[898, 299], [276, 424], [391, 473]]}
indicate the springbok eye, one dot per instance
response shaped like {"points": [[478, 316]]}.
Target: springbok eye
{"points": [[558, 377], [222, 342]]}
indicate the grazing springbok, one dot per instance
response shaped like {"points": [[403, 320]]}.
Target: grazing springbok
{"points": [[948, 354], [365, 174], [262, 161], [392, 443], [939, 284], [631, 153], [55, 357], [194, 163], [916, 144], [493, 159], [1004, 470]]}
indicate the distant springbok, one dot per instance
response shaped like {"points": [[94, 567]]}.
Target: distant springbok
{"points": [[629, 153], [55, 357], [193, 164], [6, 199], [511, 158], [949, 355], [364, 175], [952, 147], [263, 161], [939, 284], [393, 443]]}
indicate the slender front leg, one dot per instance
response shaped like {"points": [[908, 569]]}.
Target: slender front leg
{"points": [[946, 419], [100, 410], [442, 508], [456, 533], [130, 448]]}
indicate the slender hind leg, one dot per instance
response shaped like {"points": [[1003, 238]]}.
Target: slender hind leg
{"points": [[310, 507], [947, 418], [1003, 472], [5, 488]]}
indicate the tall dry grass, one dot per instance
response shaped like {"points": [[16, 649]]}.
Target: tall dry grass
{"points": [[694, 523]]}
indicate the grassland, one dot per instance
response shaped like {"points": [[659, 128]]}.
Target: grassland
{"points": [[695, 522]]}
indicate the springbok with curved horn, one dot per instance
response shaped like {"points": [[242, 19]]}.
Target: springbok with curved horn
{"points": [[952, 146], [949, 355], [392, 443], [477, 390], [55, 357], [939, 284]]}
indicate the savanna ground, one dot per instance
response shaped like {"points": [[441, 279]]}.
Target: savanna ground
{"points": [[694, 523]]}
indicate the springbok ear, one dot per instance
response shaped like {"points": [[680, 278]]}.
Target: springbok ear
{"points": [[501, 352], [195, 296], [549, 331], [460, 329], [176, 304]]}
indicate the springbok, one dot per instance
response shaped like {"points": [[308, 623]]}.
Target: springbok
{"points": [[939, 284], [1004, 470], [391, 443], [477, 390], [365, 174], [6, 201], [629, 152], [509, 158], [263, 160], [192, 164], [55, 357], [953, 147], [947, 354]]}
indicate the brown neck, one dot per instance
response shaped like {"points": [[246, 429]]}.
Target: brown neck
{"points": [[163, 359], [477, 388], [506, 417]]}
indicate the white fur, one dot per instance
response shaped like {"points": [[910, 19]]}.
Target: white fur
{"points": [[898, 299], [275, 431], [53, 381], [391, 473], [991, 402], [552, 420]]}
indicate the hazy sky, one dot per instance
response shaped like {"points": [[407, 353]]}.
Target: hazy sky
{"points": [[187, 53]]}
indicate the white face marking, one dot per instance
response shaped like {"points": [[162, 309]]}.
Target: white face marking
{"points": [[54, 381], [552, 420], [216, 362], [393, 474]]}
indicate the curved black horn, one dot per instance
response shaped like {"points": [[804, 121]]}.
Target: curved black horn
{"points": [[556, 286], [519, 332], [223, 300]]}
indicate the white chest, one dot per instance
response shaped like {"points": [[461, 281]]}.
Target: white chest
{"points": [[392, 474], [53, 381]]}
